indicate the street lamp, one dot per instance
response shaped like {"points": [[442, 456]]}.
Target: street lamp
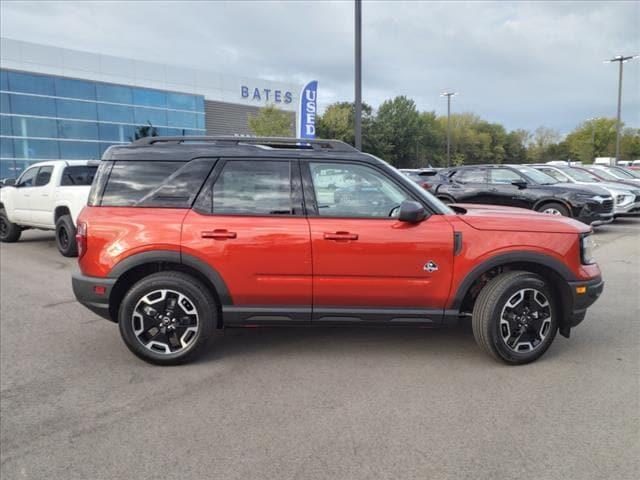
{"points": [[620, 59], [449, 95]]}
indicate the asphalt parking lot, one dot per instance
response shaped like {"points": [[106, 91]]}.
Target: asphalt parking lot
{"points": [[293, 403]]}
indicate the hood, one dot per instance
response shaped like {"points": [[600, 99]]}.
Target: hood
{"points": [[497, 218], [626, 187], [594, 189]]}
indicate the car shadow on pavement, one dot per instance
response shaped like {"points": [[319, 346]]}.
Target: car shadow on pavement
{"points": [[336, 340]]}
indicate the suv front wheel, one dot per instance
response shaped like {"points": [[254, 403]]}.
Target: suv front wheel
{"points": [[515, 317], [166, 318]]}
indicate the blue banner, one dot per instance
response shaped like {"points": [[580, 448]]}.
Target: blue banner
{"points": [[306, 127]]}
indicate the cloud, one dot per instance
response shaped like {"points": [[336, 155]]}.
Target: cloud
{"points": [[522, 64]]}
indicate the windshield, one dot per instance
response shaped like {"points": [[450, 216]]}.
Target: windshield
{"points": [[600, 172], [413, 176], [581, 175], [628, 171], [537, 176]]}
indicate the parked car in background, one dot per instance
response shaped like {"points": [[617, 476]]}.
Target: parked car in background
{"points": [[47, 196], [618, 173], [626, 197], [525, 187], [425, 177], [241, 232]]}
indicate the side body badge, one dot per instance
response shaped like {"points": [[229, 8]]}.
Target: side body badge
{"points": [[430, 266]]}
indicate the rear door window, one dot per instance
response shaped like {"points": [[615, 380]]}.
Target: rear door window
{"points": [[155, 184], [470, 175], [504, 176], [254, 187], [80, 175]]}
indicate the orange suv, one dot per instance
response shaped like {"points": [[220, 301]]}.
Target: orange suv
{"points": [[185, 235]]}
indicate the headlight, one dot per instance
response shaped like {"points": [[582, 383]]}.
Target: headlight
{"points": [[622, 199], [587, 246]]}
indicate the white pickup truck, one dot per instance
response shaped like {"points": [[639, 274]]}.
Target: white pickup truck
{"points": [[47, 196]]}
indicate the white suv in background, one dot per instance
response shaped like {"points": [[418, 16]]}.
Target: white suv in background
{"points": [[48, 196]]}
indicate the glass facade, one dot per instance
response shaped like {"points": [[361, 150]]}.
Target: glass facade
{"points": [[46, 117]]}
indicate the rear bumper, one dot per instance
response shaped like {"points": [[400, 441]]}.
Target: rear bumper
{"points": [[84, 288], [582, 301]]}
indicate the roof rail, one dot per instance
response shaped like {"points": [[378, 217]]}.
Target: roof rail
{"points": [[282, 142]]}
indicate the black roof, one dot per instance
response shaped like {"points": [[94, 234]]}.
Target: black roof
{"points": [[190, 147]]}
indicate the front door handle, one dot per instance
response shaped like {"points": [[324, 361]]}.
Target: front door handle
{"points": [[219, 234], [341, 236]]}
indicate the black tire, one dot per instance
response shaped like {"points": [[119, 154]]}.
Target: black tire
{"points": [[9, 232], [492, 319], [553, 207], [198, 297], [66, 236]]}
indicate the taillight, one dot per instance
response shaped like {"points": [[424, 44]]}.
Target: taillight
{"points": [[426, 185], [81, 239]]}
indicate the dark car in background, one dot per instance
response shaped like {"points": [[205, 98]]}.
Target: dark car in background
{"points": [[425, 177], [525, 187]]}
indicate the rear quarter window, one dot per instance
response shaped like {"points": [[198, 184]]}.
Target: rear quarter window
{"points": [[81, 175], [153, 184]]}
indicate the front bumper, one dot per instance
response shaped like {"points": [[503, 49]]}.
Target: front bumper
{"points": [[629, 209], [596, 213], [88, 292], [592, 289]]}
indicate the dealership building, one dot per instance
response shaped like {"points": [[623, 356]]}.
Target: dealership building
{"points": [[67, 104]]}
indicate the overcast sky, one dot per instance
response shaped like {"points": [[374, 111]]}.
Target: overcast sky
{"points": [[520, 64]]}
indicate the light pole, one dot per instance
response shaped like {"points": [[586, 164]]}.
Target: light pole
{"points": [[449, 95], [358, 61], [620, 59]]}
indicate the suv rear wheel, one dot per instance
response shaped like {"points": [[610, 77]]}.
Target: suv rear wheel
{"points": [[66, 236], [166, 318], [515, 317]]}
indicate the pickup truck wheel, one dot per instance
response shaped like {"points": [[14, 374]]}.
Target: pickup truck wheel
{"points": [[554, 208], [9, 232], [166, 318], [515, 317], [66, 236]]}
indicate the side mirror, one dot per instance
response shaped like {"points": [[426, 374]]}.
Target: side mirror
{"points": [[519, 183], [411, 212], [9, 182]]}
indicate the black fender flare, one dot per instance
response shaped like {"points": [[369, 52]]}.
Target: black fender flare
{"points": [[509, 258], [174, 256]]}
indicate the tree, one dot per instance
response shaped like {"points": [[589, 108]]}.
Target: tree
{"points": [[516, 146], [630, 144], [270, 122], [539, 147], [431, 148], [337, 122], [398, 126], [593, 138]]}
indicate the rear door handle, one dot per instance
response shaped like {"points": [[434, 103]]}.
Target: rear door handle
{"points": [[341, 236], [219, 234]]}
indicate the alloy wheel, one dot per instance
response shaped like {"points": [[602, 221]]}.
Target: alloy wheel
{"points": [[165, 321], [552, 211], [525, 320]]}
